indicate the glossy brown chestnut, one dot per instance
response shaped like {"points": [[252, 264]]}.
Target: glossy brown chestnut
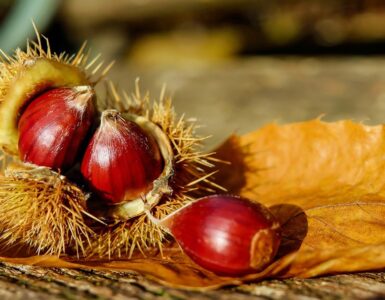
{"points": [[227, 235], [54, 125], [122, 160]]}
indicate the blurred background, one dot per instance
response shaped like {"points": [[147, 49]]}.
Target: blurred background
{"points": [[232, 64]]}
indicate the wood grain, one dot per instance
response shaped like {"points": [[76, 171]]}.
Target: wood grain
{"points": [[29, 282]]}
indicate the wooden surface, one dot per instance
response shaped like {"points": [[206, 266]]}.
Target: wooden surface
{"points": [[242, 95], [25, 282], [234, 96]]}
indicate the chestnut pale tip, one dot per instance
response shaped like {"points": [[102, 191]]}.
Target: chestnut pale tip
{"points": [[83, 95]]}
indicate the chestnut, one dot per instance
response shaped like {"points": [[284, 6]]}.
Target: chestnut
{"points": [[54, 125], [125, 162], [227, 235], [27, 75]]}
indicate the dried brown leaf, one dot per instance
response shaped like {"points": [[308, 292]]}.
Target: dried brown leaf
{"points": [[301, 162], [323, 181]]}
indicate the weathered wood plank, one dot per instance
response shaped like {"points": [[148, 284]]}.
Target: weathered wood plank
{"points": [[29, 282]]}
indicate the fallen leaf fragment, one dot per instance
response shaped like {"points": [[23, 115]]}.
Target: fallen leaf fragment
{"points": [[325, 183], [299, 163]]}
